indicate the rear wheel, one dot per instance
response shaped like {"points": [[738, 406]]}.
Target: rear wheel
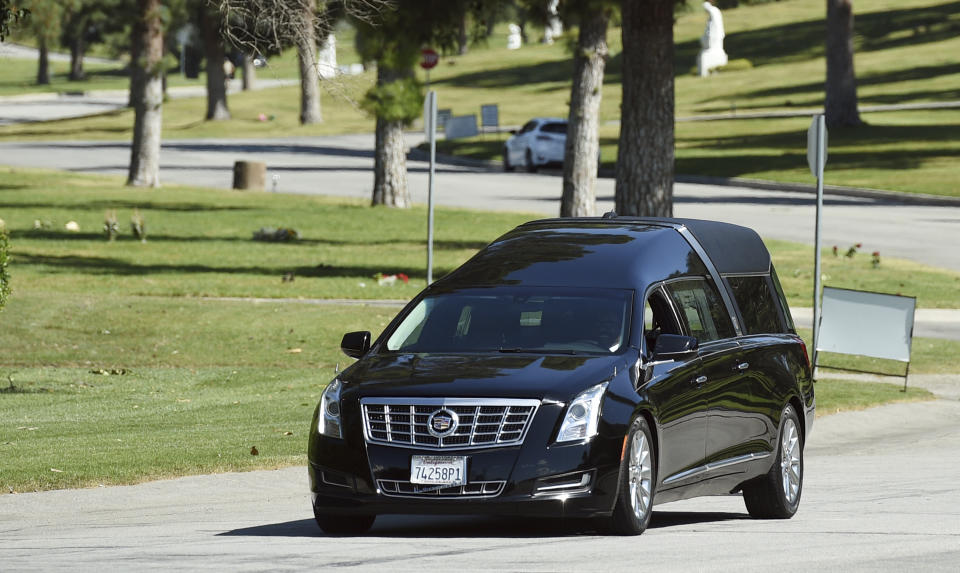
{"points": [[343, 524], [638, 474], [776, 495]]}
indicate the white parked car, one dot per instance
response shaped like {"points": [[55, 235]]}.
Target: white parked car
{"points": [[541, 141]]}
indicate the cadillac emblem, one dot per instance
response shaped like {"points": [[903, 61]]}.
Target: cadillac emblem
{"points": [[442, 423]]}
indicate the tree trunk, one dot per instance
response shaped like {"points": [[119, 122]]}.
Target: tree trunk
{"points": [[145, 150], [216, 58], [249, 72], [645, 156], [138, 78], [583, 145], [77, 48], [841, 97], [309, 75], [390, 156], [43, 64]]}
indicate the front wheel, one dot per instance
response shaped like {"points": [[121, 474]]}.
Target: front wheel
{"points": [[530, 165], [506, 160], [638, 476], [343, 524], [776, 495]]}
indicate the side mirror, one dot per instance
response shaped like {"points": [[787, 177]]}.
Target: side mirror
{"points": [[355, 344], [675, 347], [513, 132]]}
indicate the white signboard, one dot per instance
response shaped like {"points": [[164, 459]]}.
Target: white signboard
{"points": [[461, 126], [817, 137], [866, 324]]}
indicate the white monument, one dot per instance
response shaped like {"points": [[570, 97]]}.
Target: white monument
{"points": [[514, 39], [711, 55], [554, 27], [327, 58]]}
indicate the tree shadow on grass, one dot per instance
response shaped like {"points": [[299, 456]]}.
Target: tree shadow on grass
{"points": [[917, 73], [54, 235], [103, 204], [120, 267], [799, 41]]}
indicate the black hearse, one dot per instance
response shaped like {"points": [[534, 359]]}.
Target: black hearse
{"points": [[584, 367]]}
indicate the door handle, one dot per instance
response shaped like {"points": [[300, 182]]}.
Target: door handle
{"points": [[743, 366], [701, 380]]}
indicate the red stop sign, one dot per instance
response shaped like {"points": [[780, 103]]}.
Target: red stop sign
{"points": [[428, 58]]}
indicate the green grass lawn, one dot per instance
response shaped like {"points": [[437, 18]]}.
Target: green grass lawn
{"points": [[117, 369]]}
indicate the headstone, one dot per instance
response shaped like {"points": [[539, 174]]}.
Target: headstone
{"points": [[514, 39], [327, 58], [554, 27], [711, 55]]}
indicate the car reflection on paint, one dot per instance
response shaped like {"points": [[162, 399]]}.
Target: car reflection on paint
{"points": [[587, 367]]}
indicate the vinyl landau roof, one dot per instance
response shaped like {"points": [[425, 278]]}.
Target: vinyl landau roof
{"points": [[732, 248]]}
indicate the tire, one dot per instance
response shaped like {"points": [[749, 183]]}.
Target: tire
{"points": [[506, 161], [343, 524], [776, 495], [638, 478], [529, 164]]}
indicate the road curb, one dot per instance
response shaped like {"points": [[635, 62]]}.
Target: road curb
{"points": [[416, 154]]}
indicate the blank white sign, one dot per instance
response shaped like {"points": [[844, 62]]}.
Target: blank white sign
{"points": [[461, 126], [866, 324]]}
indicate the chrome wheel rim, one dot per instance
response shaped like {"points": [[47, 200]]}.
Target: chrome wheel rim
{"points": [[790, 464], [640, 473]]}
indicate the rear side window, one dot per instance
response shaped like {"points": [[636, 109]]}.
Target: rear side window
{"points": [[701, 309], [554, 128], [757, 305]]}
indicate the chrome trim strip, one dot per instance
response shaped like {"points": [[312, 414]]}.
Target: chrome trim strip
{"points": [[584, 481], [391, 488], [715, 275], [715, 466], [452, 401]]}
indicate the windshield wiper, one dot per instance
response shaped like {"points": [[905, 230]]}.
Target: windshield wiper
{"points": [[520, 350]]}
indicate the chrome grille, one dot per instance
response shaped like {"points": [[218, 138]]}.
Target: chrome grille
{"points": [[481, 422], [394, 488]]}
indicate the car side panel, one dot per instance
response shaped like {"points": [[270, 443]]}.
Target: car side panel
{"points": [[681, 418]]}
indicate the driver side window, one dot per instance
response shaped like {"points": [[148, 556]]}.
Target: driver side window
{"points": [[658, 318]]}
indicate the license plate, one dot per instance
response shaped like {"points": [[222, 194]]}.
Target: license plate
{"points": [[438, 470]]}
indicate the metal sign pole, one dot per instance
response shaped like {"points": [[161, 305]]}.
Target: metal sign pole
{"points": [[820, 140], [431, 128]]}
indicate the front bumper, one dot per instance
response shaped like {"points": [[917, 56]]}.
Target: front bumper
{"points": [[537, 478]]}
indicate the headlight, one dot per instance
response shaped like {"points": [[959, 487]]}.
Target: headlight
{"points": [[328, 422], [583, 415]]}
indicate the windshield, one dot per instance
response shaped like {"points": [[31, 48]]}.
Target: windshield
{"points": [[521, 319]]}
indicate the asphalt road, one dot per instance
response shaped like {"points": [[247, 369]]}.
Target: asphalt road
{"points": [[342, 165], [880, 493]]}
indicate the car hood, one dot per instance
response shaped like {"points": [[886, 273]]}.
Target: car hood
{"points": [[555, 377]]}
